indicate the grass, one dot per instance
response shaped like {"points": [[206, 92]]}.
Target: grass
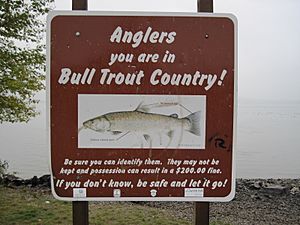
{"points": [[23, 206], [219, 223]]}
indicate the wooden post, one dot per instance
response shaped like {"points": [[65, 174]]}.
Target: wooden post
{"points": [[201, 209], [205, 6], [80, 209], [80, 213], [201, 213], [79, 4]]}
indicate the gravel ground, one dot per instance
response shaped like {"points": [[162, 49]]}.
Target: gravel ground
{"points": [[257, 202]]}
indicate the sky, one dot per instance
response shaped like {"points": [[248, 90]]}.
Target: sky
{"points": [[268, 40]]}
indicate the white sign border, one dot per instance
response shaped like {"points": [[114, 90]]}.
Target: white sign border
{"points": [[53, 14]]}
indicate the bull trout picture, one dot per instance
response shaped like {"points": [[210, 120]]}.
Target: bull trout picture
{"points": [[139, 121]]}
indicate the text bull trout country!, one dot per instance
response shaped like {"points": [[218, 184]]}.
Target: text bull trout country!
{"points": [[157, 77], [160, 77]]}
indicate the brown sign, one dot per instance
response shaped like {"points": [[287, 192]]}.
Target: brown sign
{"points": [[142, 107]]}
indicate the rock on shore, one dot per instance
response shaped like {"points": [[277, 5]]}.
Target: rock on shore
{"points": [[10, 180]]}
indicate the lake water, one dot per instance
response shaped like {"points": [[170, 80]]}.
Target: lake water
{"points": [[268, 144]]}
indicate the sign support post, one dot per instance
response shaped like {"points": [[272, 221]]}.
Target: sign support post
{"points": [[79, 5], [201, 209], [80, 209]]}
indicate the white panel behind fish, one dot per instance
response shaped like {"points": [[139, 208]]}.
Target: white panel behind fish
{"points": [[141, 121]]}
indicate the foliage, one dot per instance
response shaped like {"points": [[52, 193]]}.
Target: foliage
{"points": [[3, 167], [22, 57]]}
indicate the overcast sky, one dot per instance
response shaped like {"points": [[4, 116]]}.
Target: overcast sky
{"points": [[269, 40]]}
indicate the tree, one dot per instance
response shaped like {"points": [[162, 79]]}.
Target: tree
{"points": [[3, 168], [22, 57]]}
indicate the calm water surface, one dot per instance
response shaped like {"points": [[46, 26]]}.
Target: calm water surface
{"points": [[268, 143]]}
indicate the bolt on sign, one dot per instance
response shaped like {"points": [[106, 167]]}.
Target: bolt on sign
{"points": [[142, 106]]}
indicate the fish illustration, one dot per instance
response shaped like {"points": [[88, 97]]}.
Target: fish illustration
{"points": [[142, 122]]}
